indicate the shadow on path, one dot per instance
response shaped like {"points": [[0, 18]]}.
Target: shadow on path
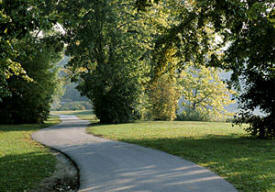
{"points": [[110, 166]]}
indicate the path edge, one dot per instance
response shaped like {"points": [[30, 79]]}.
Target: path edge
{"points": [[175, 156], [62, 153]]}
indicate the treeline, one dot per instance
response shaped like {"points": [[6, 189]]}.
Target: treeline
{"points": [[117, 73], [69, 98], [134, 59], [29, 47], [31, 97], [66, 96]]}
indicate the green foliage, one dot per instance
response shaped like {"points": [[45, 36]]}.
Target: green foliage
{"points": [[193, 115], [164, 95], [66, 96], [30, 100], [245, 30], [58, 92], [205, 94], [105, 51], [27, 76], [163, 91], [251, 57], [262, 127], [73, 105], [111, 45], [71, 93], [17, 19]]}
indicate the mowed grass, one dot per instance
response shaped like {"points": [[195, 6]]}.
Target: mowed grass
{"points": [[23, 162], [249, 164], [82, 114]]}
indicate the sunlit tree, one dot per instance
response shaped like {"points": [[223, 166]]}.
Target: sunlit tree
{"points": [[204, 93]]}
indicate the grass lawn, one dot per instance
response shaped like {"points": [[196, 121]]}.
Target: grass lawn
{"points": [[23, 162], [247, 163], [82, 114]]}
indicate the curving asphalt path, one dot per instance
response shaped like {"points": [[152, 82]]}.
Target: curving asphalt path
{"points": [[111, 166]]}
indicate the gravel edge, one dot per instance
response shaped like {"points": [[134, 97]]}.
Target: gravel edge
{"points": [[65, 177]]}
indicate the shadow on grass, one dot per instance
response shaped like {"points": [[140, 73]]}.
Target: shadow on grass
{"points": [[23, 127], [246, 162], [22, 171], [28, 127]]}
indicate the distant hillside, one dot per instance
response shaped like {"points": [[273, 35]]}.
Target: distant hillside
{"points": [[70, 91], [72, 94]]}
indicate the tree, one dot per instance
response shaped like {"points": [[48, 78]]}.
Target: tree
{"points": [[106, 56], [162, 91], [247, 33], [205, 94], [30, 100], [18, 19], [164, 95], [26, 88], [251, 57]]}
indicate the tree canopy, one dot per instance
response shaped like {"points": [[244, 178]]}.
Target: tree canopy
{"points": [[18, 19], [105, 51], [30, 100], [117, 47], [246, 33], [204, 93], [27, 77]]}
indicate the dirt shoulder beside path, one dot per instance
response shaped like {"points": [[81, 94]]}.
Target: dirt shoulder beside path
{"points": [[65, 177]]}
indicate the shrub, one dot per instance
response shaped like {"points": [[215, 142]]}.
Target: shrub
{"points": [[262, 127], [193, 116]]}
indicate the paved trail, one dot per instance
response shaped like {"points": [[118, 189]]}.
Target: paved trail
{"points": [[111, 166]]}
